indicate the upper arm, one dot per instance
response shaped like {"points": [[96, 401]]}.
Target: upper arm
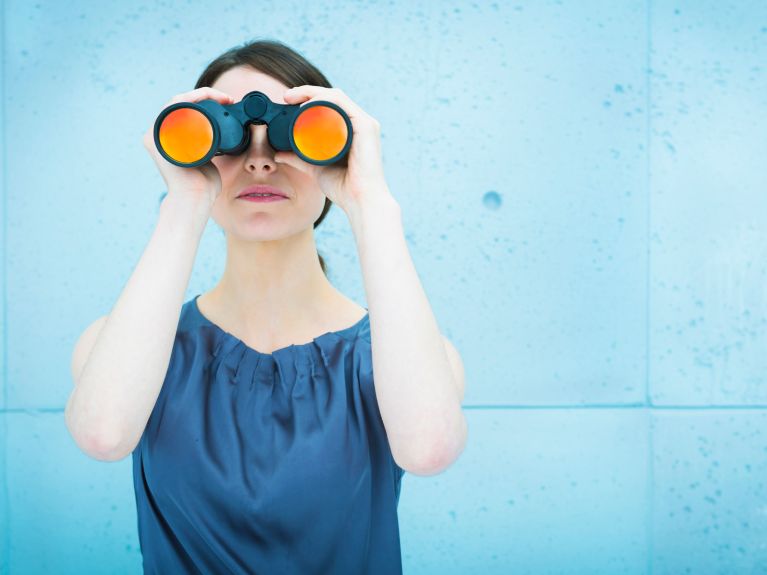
{"points": [[84, 346], [456, 365]]}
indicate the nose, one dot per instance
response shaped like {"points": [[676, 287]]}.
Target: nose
{"points": [[259, 155]]}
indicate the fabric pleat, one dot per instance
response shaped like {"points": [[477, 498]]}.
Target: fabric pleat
{"points": [[255, 463]]}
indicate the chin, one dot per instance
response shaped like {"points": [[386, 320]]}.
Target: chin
{"points": [[265, 231]]}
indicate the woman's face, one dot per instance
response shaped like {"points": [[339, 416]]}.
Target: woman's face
{"points": [[256, 165]]}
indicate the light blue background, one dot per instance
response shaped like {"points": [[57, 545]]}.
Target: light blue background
{"points": [[584, 192]]}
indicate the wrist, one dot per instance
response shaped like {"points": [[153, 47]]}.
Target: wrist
{"points": [[377, 205], [184, 215]]}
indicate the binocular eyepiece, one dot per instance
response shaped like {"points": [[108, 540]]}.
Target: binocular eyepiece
{"points": [[189, 134]]}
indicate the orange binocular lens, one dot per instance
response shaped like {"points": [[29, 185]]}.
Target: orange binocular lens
{"points": [[186, 135], [320, 133]]}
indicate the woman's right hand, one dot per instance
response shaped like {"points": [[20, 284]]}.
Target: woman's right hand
{"points": [[199, 185]]}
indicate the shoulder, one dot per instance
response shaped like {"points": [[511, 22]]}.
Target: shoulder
{"points": [[349, 313]]}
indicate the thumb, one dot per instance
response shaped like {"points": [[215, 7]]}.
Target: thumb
{"points": [[291, 159]]}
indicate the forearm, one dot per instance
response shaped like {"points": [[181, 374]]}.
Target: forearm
{"points": [[119, 385], [417, 397]]}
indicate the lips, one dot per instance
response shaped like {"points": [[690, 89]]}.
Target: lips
{"points": [[261, 189]]}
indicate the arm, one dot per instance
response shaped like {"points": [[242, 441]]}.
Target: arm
{"points": [[120, 361], [418, 390], [418, 373]]}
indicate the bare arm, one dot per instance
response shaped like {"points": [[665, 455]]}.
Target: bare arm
{"points": [[121, 360], [419, 378]]}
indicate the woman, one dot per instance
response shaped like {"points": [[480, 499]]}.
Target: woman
{"points": [[259, 446]]}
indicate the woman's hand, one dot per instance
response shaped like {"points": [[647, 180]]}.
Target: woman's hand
{"points": [[363, 178], [200, 185]]}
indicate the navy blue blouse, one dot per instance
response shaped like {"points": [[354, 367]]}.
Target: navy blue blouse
{"points": [[267, 463]]}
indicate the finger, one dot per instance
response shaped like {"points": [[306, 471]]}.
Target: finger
{"points": [[204, 93], [291, 159], [306, 93]]}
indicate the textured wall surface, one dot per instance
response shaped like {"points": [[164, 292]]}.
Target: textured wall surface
{"points": [[584, 193]]}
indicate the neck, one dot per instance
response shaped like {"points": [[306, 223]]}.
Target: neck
{"points": [[275, 283]]}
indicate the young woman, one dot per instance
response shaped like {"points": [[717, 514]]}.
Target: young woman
{"points": [[271, 418]]}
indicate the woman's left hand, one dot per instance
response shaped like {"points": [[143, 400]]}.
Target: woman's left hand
{"points": [[363, 178]]}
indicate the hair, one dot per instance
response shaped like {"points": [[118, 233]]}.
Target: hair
{"points": [[281, 63]]}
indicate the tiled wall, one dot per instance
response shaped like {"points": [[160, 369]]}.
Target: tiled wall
{"points": [[585, 198]]}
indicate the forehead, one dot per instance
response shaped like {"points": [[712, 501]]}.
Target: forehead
{"points": [[240, 80]]}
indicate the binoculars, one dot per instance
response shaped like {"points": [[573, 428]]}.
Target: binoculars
{"points": [[189, 134]]}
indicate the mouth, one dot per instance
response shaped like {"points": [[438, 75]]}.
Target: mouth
{"points": [[261, 191]]}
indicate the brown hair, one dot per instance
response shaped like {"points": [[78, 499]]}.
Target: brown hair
{"points": [[280, 62]]}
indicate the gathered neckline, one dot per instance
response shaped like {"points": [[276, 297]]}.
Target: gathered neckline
{"points": [[344, 333]]}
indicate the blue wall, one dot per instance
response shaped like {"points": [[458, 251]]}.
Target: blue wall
{"points": [[584, 191]]}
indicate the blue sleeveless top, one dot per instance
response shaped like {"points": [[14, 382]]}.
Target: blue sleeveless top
{"points": [[267, 463]]}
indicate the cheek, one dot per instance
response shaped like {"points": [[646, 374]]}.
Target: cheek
{"points": [[221, 163], [307, 189], [218, 209], [315, 203]]}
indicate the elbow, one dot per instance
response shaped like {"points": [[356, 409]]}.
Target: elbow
{"points": [[445, 454], [432, 463], [109, 451], [437, 455], [102, 446], [98, 448]]}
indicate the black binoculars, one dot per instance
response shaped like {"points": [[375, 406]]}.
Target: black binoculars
{"points": [[189, 134]]}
